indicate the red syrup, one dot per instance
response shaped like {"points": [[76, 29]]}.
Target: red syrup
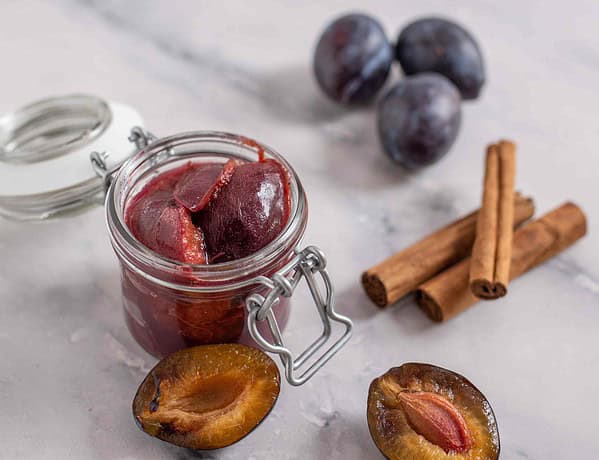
{"points": [[251, 143]]}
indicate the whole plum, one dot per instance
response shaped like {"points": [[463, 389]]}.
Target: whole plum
{"points": [[419, 119], [442, 46], [352, 59]]}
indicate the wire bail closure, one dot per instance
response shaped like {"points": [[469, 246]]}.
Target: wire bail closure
{"points": [[100, 160], [306, 264]]}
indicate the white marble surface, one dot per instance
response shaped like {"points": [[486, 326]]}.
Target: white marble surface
{"points": [[68, 367]]}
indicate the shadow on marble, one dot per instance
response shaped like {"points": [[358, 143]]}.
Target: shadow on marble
{"points": [[353, 157], [180, 453], [411, 320], [381, 174], [343, 436], [292, 94], [38, 234], [354, 303]]}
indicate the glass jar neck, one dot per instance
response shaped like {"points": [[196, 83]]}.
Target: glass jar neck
{"points": [[170, 152]]}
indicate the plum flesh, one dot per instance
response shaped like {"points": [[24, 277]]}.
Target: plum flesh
{"points": [[207, 397]]}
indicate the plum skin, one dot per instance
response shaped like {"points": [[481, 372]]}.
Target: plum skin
{"points": [[442, 46], [352, 59], [419, 119]]}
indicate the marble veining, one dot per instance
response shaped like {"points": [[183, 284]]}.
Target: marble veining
{"points": [[69, 368]]}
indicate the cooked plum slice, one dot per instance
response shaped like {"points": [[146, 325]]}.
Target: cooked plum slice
{"points": [[423, 411], [225, 211], [207, 397], [248, 213], [202, 183], [164, 226]]}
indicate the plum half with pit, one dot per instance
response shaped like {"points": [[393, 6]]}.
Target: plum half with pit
{"points": [[419, 119], [207, 397], [250, 212], [424, 411], [442, 46], [352, 59]]}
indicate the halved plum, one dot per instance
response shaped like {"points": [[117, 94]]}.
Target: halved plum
{"points": [[424, 411], [248, 213], [164, 226], [202, 182], [207, 397]]}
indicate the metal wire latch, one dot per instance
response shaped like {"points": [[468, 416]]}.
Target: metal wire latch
{"points": [[100, 160], [306, 264]]}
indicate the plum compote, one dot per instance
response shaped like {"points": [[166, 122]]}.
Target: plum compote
{"points": [[208, 212], [201, 214]]}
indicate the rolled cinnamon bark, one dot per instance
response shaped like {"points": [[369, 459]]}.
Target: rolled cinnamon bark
{"points": [[403, 272], [448, 294], [491, 253]]}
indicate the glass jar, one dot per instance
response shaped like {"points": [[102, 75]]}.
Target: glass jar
{"points": [[170, 305], [61, 155]]}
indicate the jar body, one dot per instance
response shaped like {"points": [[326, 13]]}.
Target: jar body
{"points": [[163, 320], [170, 305]]}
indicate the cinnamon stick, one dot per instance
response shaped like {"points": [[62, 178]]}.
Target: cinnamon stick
{"points": [[448, 294], [403, 272], [491, 253]]}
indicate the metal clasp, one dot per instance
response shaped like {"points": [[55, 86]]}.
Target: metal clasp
{"points": [[306, 264], [100, 160]]}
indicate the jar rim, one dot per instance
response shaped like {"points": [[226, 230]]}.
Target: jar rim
{"points": [[214, 277]]}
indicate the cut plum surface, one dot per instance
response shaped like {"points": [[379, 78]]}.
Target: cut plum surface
{"points": [[423, 411], [163, 225], [207, 397], [202, 182], [248, 213]]}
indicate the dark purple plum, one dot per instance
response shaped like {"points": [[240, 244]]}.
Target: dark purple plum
{"points": [[419, 119], [352, 59], [442, 46]]}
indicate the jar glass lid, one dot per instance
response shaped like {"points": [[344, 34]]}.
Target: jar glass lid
{"points": [[45, 147]]}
